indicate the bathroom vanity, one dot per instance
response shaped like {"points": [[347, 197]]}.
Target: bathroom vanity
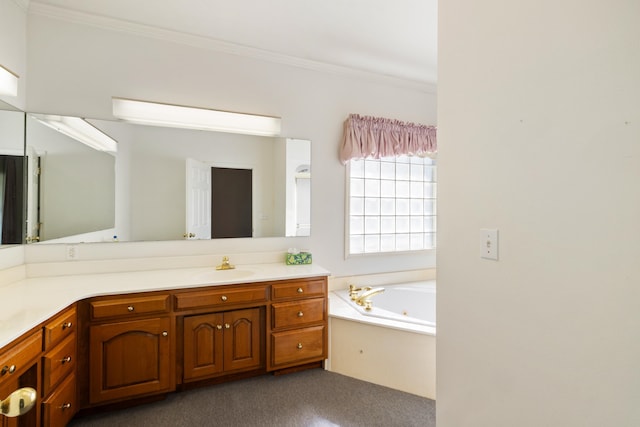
{"points": [[126, 344]]}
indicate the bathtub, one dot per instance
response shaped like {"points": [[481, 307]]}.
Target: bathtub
{"points": [[413, 303], [393, 344]]}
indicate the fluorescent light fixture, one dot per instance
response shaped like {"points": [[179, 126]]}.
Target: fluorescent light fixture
{"points": [[80, 130], [154, 114], [8, 82]]}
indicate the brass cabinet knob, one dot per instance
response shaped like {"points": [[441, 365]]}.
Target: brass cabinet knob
{"points": [[67, 325], [8, 369], [165, 333], [300, 290], [299, 345], [218, 327], [130, 308], [224, 298], [227, 326], [66, 360], [65, 406], [300, 314]]}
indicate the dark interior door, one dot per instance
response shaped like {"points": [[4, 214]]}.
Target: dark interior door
{"points": [[231, 203], [12, 203]]}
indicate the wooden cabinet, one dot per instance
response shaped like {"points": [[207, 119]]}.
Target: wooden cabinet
{"points": [[58, 407], [19, 364], [221, 297], [59, 362], [131, 354], [112, 349], [298, 333], [221, 343], [129, 359]]}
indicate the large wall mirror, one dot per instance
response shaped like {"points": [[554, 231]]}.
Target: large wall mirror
{"points": [[12, 173], [70, 184], [165, 184]]}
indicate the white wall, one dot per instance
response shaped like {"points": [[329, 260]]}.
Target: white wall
{"points": [[89, 65], [13, 46], [539, 136]]}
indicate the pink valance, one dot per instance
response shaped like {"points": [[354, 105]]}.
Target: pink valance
{"points": [[375, 137]]}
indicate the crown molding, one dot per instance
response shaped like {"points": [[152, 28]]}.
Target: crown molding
{"points": [[192, 40]]}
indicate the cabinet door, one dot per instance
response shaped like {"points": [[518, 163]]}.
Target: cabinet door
{"points": [[242, 339], [6, 388], [203, 345], [130, 358]]}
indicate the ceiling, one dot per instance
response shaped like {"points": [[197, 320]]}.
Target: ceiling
{"points": [[390, 38]]}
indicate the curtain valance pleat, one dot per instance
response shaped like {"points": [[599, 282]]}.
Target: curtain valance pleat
{"points": [[375, 137]]}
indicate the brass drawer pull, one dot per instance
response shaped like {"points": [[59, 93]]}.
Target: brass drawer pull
{"points": [[10, 369], [130, 308], [300, 314], [224, 298], [300, 290], [65, 406], [66, 360], [67, 325], [299, 345]]}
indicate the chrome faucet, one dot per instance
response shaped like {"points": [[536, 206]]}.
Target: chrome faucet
{"points": [[364, 299], [225, 264]]}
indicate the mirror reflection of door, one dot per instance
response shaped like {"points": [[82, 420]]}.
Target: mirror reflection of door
{"points": [[198, 200], [33, 195], [11, 198], [303, 201], [231, 203]]}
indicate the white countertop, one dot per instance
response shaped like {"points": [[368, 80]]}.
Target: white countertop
{"points": [[29, 302]]}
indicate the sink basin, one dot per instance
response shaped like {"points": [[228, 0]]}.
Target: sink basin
{"points": [[223, 275]]}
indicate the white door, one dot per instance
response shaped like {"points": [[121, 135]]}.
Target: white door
{"points": [[33, 192], [198, 200]]}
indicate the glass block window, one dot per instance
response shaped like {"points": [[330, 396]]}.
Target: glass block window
{"points": [[392, 205]]}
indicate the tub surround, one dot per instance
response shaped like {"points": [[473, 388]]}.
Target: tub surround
{"points": [[392, 353]]}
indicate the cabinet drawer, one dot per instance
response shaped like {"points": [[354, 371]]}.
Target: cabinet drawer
{"points": [[60, 407], [60, 327], [124, 306], [58, 363], [299, 289], [17, 358], [220, 297], [297, 345], [297, 313]]}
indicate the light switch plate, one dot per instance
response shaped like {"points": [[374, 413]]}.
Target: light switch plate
{"points": [[489, 243]]}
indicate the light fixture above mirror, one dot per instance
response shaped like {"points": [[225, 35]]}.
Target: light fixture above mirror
{"points": [[8, 82], [80, 130], [167, 115]]}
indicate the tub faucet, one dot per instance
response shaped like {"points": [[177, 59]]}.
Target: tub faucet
{"points": [[365, 298], [225, 264], [353, 291]]}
